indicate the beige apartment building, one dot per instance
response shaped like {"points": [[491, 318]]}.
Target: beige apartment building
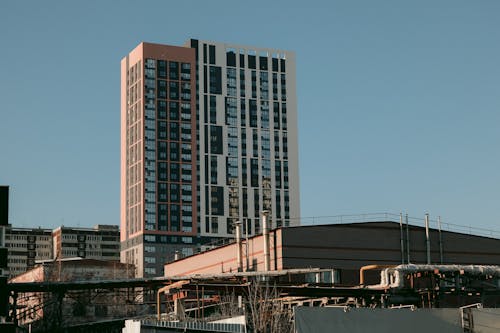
{"points": [[27, 246]]}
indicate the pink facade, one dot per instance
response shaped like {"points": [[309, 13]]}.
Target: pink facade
{"points": [[135, 59], [224, 259], [147, 215]]}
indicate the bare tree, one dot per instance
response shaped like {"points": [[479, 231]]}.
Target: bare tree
{"points": [[267, 312]]}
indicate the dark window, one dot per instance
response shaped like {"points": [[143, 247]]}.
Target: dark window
{"points": [[162, 69], [243, 142], [244, 175], [277, 173], [243, 115], [254, 84], [253, 113], [162, 88], [174, 193], [276, 144], [207, 199], [283, 116], [174, 90], [206, 174], [282, 63], [231, 58], [205, 53], [173, 70], [251, 61], [217, 200], [275, 65], [205, 108], [162, 130], [285, 175], [255, 143], [254, 172], [242, 60], [174, 111], [213, 110], [216, 143], [215, 80], [213, 169], [276, 115], [175, 216], [245, 202], [287, 205], [256, 206], [174, 155], [162, 192], [194, 44], [186, 68], [263, 63], [205, 79], [162, 217], [174, 131], [162, 110], [242, 83], [275, 86], [283, 87], [285, 145], [162, 171], [211, 54]]}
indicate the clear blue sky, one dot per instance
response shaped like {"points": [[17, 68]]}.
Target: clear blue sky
{"points": [[399, 101]]}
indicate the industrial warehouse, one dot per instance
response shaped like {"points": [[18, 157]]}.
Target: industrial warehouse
{"points": [[348, 277]]}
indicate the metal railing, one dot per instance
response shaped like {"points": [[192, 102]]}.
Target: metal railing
{"points": [[415, 221], [197, 326], [371, 217]]}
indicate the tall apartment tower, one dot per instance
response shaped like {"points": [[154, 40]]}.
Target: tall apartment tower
{"points": [[209, 137]]}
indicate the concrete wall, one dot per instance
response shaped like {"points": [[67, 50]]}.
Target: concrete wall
{"points": [[352, 320], [360, 320], [223, 259]]}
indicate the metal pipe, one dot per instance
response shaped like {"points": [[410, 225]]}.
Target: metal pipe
{"points": [[265, 233], [393, 277], [407, 240], [369, 267], [440, 241], [427, 238], [401, 238], [246, 245], [166, 290], [239, 261]]}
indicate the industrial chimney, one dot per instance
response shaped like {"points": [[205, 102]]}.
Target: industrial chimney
{"points": [[239, 246], [265, 233], [427, 239]]}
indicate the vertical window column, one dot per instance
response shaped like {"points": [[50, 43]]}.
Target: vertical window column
{"points": [[150, 144]]}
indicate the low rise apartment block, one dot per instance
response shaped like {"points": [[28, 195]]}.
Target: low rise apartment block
{"points": [[27, 246]]}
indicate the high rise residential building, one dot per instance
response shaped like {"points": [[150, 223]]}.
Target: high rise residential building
{"points": [[209, 137]]}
